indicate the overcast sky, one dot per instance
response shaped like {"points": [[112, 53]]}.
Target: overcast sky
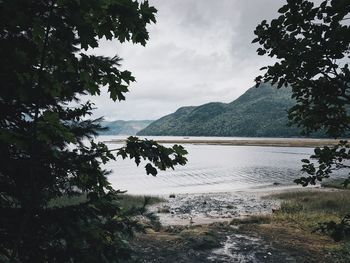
{"points": [[199, 51]]}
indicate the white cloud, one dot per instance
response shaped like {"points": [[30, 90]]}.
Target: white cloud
{"points": [[199, 51]]}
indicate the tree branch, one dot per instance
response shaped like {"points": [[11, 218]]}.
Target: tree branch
{"points": [[29, 209]]}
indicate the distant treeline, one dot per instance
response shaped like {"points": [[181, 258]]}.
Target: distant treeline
{"points": [[120, 127]]}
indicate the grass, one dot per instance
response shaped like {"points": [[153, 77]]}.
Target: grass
{"points": [[343, 251], [126, 201], [255, 219], [293, 225], [129, 201], [199, 238], [329, 202], [334, 183], [307, 210], [310, 208]]}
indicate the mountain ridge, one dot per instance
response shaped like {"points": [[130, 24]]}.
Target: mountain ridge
{"points": [[124, 127], [259, 112]]}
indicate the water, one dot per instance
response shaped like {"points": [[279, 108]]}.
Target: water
{"points": [[212, 168]]}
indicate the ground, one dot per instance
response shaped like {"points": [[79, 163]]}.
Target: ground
{"points": [[285, 235], [222, 242]]}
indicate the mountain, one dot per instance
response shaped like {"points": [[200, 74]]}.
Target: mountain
{"points": [[259, 112], [123, 127]]}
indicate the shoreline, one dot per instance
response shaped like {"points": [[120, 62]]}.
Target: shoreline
{"points": [[284, 234], [216, 207], [273, 142]]}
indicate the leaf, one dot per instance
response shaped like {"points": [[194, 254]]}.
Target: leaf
{"points": [[150, 169], [283, 9], [261, 51]]}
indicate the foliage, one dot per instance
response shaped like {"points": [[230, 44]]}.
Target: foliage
{"points": [[329, 159], [338, 231], [258, 112], [46, 146], [160, 156], [311, 46]]}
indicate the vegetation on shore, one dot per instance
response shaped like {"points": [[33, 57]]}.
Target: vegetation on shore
{"points": [[308, 209], [335, 183], [136, 201], [298, 223], [287, 233], [125, 201], [290, 229]]}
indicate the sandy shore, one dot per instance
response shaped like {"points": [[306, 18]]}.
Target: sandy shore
{"points": [[276, 142]]}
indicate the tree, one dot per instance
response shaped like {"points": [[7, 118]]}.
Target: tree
{"points": [[47, 148], [311, 46]]}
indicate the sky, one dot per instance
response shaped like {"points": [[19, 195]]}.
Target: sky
{"points": [[199, 51]]}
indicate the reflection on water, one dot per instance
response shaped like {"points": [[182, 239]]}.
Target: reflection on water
{"points": [[213, 168]]}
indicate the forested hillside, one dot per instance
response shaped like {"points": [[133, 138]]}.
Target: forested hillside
{"points": [[259, 112]]}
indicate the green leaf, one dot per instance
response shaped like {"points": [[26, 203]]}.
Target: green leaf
{"points": [[283, 9]]}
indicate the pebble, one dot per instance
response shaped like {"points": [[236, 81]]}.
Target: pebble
{"points": [[215, 206]]}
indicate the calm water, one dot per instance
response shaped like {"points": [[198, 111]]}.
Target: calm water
{"points": [[212, 168]]}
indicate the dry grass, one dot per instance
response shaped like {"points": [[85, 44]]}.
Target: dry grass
{"points": [[300, 215], [323, 202], [293, 226]]}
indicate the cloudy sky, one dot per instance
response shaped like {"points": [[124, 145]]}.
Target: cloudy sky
{"points": [[199, 51]]}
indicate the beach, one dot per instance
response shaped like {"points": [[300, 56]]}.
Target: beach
{"points": [[275, 142]]}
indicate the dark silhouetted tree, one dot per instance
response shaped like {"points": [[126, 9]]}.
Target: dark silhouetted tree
{"points": [[46, 146], [311, 46]]}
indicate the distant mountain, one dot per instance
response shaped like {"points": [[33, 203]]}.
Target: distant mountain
{"points": [[124, 127], [259, 112]]}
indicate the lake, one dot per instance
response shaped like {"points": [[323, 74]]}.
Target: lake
{"points": [[212, 168]]}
